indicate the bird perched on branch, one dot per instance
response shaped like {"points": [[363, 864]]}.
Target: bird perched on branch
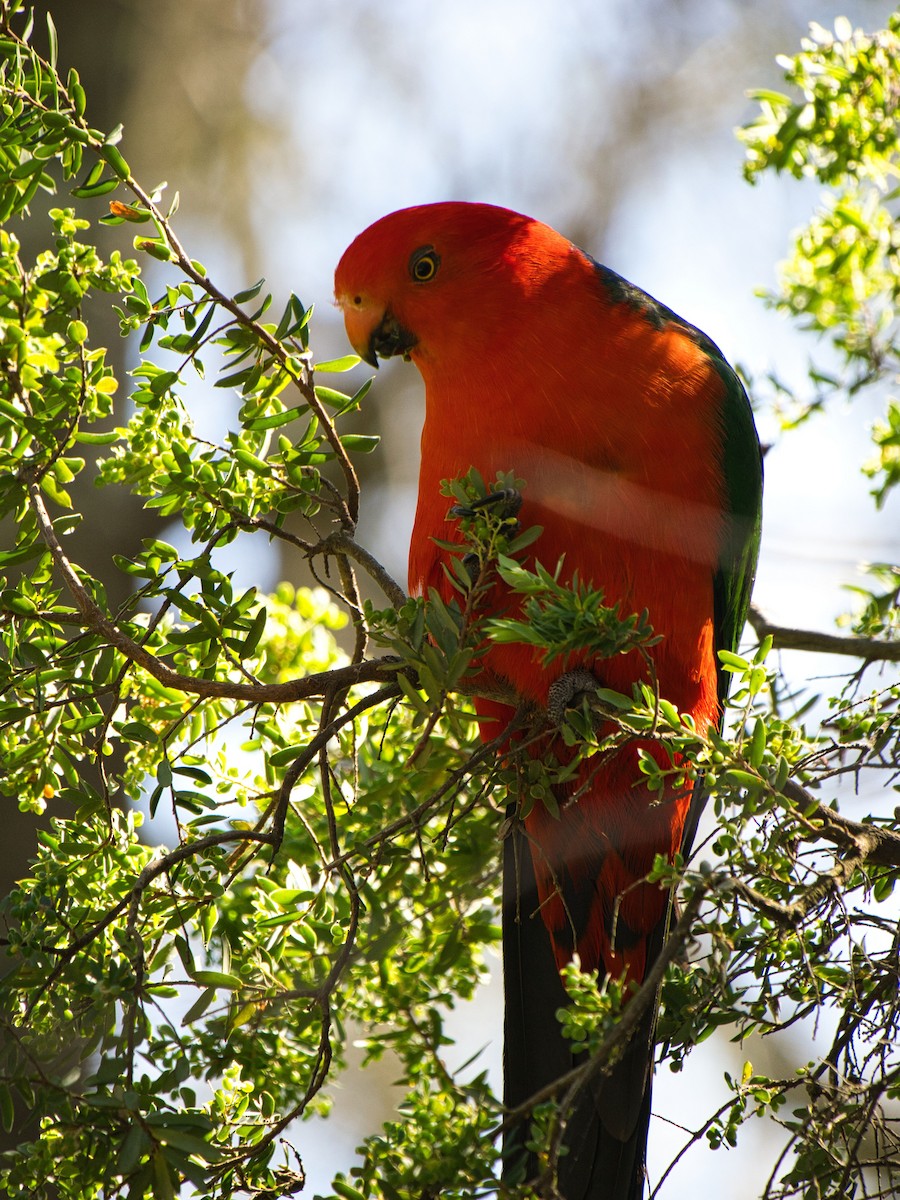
{"points": [[641, 463]]}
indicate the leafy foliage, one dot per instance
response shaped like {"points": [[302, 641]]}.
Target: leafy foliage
{"points": [[842, 277], [169, 1011]]}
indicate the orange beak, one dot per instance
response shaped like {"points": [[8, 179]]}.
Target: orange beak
{"points": [[361, 324], [376, 333]]}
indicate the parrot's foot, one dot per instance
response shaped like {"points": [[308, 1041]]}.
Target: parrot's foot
{"points": [[508, 501], [571, 686]]}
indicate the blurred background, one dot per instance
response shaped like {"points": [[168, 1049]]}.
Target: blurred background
{"points": [[288, 126]]}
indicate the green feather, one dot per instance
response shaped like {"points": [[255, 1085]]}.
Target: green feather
{"points": [[743, 474]]}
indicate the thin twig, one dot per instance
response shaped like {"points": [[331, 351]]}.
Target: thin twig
{"points": [[309, 752]]}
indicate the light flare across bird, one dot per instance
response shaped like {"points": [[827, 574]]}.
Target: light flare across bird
{"points": [[640, 461]]}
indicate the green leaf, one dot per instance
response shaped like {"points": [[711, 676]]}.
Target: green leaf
{"points": [[191, 1144], [330, 397], [199, 1007], [7, 1108], [255, 632], [87, 192], [115, 160], [137, 731], [249, 293], [217, 979], [57, 494], [336, 366], [364, 443], [161, 383], [53, 43], [251, 462], [742, 778], [163, 1188], [346, 1191], [276, 420], [133, 1146], [757, 743], [614, 699], [20, 554], [77, 332], [155, 247], [766, 95]]}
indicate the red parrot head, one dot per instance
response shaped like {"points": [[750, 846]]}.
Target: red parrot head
{"points": [[421, 281]]}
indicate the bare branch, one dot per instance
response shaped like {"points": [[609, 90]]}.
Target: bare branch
{"points": [[868, 649], [345, 544]]}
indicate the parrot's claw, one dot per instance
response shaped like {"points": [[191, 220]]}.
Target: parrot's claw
{"points": [[507, 500], [567, 688]]}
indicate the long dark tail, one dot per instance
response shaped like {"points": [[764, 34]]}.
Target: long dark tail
{"points": [[606, 1135]]}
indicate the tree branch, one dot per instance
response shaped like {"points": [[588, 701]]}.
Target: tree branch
{"points": [[342, 542], [873, 843], [868, 649]]}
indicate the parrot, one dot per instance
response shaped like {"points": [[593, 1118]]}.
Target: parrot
{"points": [[636, 444]]}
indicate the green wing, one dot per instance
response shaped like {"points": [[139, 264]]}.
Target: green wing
{"points": [[742, 466]]}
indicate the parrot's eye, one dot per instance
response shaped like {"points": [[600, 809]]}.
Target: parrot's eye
{"points": [[424, 263]]}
